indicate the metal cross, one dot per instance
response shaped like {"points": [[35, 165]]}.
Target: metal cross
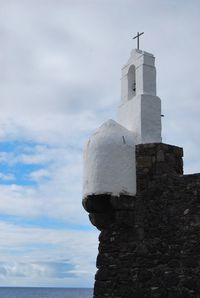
{"points": [[138, 39]]}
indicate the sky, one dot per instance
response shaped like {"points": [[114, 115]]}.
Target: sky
{"points": [[60, 69]]}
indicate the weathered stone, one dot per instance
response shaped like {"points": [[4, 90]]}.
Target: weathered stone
{"points": [[101, 220], [160, 156], [149, 243], [97, 203]]}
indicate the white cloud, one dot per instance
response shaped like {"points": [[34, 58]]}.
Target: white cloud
{"points": [[60, 79], [59, 196], [7, 177], [19, 200], [40, 256], [39, 175]]}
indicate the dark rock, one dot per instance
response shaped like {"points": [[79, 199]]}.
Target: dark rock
{"points": [[97, 203], [191, 283], [149, 244], [101, 220], [144, 275]]}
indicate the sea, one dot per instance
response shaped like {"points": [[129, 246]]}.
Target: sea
{"points": [[45, 292]]}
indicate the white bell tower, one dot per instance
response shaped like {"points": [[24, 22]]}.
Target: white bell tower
{"points": [[140, 108]]}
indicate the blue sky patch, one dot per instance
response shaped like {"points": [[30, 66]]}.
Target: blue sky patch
{"points": [[19, 172], [44, 222]]}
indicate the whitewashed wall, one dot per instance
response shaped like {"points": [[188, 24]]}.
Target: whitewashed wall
{"points": [[109, 161]]}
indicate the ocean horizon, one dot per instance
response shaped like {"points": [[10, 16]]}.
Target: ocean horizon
{"points": [[45, 292]]}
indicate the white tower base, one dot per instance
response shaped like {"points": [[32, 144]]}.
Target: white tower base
{"points": [[141, 115]]}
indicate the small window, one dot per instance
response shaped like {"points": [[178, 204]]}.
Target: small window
{"points": [[131, 82]]}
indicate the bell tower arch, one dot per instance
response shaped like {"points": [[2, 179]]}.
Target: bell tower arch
{"points": [[131, 82], [140, 107]]}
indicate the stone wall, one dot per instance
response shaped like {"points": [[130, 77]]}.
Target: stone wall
{"points": [[149, 245]]}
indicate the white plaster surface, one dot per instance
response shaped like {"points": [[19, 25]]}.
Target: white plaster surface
{"points": [[150, 119], [142, 113], [109, 161], [142, 116]]}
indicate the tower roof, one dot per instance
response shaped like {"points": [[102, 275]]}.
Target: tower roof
{"points": [[112, 132]]}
